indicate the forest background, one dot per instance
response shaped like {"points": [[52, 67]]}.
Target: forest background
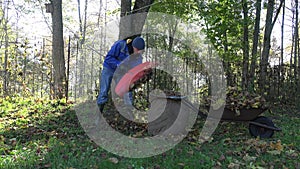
{"points": [[257, 42]]}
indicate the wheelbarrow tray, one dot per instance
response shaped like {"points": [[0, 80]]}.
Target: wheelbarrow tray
{"points": [[228, 114], [243, 115]]}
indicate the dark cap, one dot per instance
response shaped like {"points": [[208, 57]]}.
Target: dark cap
{"points": [[138, 43]]}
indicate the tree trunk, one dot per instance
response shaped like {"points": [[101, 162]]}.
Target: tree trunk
{"points": [[292, 49], [281, 64], [282, 47], [99, 12], [296, 47], [297, 57], [24, 67], [255, 46], [266, 46], [58, 50], [245, 46], [125, 22], [82, 24], [76, 71], [226, 63], [68, 69], [132, 26], [141, 6], [6, 73], [282, 35]]}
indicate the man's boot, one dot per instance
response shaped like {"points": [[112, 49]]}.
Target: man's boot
{"points": [[98, 117], [101, 107]]}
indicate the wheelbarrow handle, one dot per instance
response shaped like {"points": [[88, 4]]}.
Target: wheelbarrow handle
{"points": [[265, 126], [170, 97]]}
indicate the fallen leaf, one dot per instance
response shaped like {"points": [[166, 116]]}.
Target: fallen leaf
{"points": [[103, 155], [249, 158], [65, 157], [13, 141], [237, 112], [205, 139], [218, 164], [157, 166], [139, 134], [227, 141], [292, 153], [181, 164], [233, 166], [191, 152], [47, 165], [229, 152], [276, 146], [274, 152], [284, 167], [113, 160], [222, 158]]}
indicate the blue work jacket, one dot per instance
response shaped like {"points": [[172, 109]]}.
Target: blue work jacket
{"points": [[117, 53]]}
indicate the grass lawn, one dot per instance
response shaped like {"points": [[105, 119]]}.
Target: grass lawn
{"points": [[37, 133]]}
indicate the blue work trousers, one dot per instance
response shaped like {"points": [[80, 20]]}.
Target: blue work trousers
{"points": [[105, 82]]}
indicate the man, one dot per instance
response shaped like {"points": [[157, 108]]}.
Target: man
{"points": [[119, 53]]}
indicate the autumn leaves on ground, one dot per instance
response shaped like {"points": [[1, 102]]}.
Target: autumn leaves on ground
{"points": [[37, 133]]}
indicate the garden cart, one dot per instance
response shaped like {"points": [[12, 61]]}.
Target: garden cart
{"points": [[259, 126]]}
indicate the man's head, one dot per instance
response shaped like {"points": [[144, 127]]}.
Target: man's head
{"points": [[138, 44]]}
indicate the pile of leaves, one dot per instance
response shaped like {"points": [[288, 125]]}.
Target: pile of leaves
{"points": [[237, 99]]}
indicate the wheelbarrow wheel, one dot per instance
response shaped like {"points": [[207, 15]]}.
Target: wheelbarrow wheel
{"points": [[259, 131]]}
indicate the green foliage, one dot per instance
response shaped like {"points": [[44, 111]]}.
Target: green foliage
{"points": [[27, 69], [184, 9], [224, 26]]}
